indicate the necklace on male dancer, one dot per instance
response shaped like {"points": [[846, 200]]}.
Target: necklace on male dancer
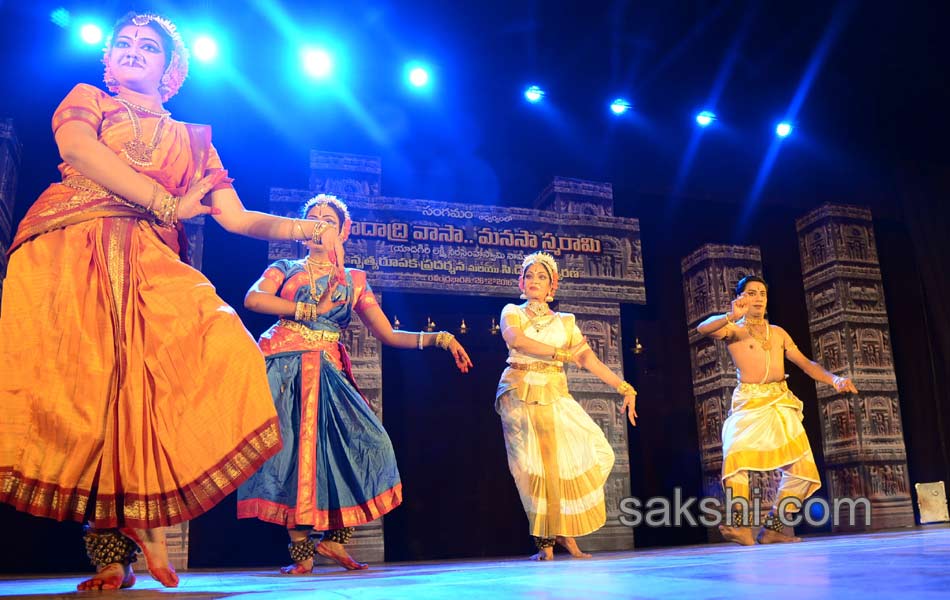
{"points": [[752, 326]]}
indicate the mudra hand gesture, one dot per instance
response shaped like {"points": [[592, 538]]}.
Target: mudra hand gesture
{"points": [[843, 384], [190, 206], [330, 242], [738, 308], [462, 360], [629, 406], [326, 303]]}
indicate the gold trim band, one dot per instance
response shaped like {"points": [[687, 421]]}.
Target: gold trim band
{"points": [[310, 335], [537, 367]]}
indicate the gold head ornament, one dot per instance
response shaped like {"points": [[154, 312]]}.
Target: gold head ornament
{"points": [[547, 261], [542, 257], [334, 202], [326, 200]]}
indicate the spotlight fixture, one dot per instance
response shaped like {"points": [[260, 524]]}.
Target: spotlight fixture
{"points": [[705, 118], [534, 94], [620, 106], [783, 129]]}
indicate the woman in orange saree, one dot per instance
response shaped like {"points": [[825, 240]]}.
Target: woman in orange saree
{"points": [[133, 397]]}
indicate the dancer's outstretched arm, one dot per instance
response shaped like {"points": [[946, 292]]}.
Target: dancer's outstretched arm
{"points": [[812, 368], [378, 324]]}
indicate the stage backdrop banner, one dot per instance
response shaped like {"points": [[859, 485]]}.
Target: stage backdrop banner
{"points": [[443, 247]]}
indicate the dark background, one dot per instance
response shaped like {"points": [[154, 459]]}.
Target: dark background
{"points": [[871, 129]]}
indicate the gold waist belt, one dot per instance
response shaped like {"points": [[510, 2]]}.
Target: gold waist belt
{"points": [[311, 335], [537, 367]]}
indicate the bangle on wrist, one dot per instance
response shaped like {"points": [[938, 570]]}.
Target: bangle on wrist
{"points": [[625, 389], [167, 209], [419, 342], [318, 228], [299, 229], [304, 311], [151, 201], [443, 339]]}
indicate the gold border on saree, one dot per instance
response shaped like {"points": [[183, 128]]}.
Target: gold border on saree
{"points": [[537, 367], [90, 188], [310, 335]]}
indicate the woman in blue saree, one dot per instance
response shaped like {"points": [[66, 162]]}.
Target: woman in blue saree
{"points": [[337, 468]]}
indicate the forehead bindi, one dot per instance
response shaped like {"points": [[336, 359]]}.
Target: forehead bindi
{"points": [[755, 288], [144, 33], [324, 213]]}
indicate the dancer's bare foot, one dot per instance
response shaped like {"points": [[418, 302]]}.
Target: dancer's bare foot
{"points": [[740, 535], [543, 554], [301, 552], [301, 568], [152, 543], [337, 553], [569, 544], [768, 536], [112, 577]]}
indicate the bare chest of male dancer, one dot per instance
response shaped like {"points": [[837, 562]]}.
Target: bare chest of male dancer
{"points": [[758, 352]]}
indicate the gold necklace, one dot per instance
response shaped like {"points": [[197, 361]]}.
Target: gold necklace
{"points": [[541, 317], [313, 285], [762, 339], [136, 150], [320, 264], [142, 109], [309, 265], [538, 308]]}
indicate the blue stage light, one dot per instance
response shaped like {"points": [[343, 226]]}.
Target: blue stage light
{"points": [[61, 17], [783, 129], [534, 94], [204, 48], [705, 118], [317, 63], [620, 106], [91, 33], [418, 76]]}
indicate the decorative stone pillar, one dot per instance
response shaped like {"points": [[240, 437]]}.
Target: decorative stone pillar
{"points": [[344, 175], [710, 275], [862, 434], [600, 323]]}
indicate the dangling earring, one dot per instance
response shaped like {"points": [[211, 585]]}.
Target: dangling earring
{"points": [[523, 297], [549, 298], [109, 79], [164, 88]]}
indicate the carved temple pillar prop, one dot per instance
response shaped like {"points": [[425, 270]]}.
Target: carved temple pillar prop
{"points": [[862, 434]]}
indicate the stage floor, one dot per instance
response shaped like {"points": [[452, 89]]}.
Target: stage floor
{"points": [[905, 564]]}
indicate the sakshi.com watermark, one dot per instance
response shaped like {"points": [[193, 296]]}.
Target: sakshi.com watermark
{"points": [[661, 511]]}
